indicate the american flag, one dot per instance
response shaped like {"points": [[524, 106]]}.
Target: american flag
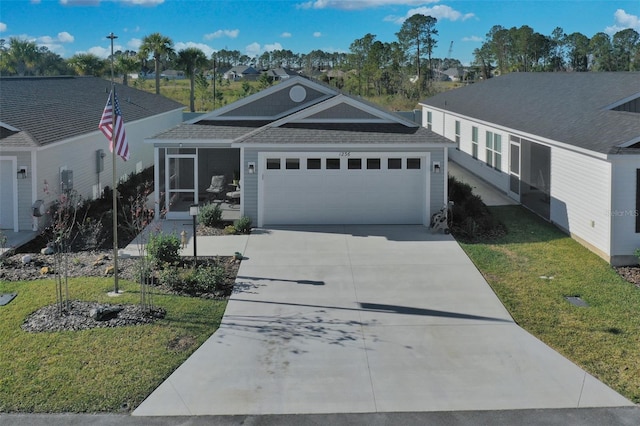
{"points": [[106, 123]]}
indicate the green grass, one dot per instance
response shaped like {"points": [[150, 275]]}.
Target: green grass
{"points": [[604, 338], [93, 370]]}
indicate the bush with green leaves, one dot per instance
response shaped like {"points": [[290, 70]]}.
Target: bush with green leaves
{"points": [[210, 215], [469, 217], [243, 225], [193, 281], [163, 248]]}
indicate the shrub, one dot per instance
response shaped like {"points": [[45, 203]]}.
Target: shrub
{"points": [[193, 281], [243, 225], [163, 248], [210, 215], [469, 217], [230, 230]]}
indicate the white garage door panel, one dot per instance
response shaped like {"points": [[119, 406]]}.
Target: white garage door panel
{"points": [[295, 197]]}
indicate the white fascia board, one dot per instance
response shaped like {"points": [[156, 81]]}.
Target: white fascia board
{"points": [[8, 127], [263, 93], [620, 102], [525, 135], [629, 143]]}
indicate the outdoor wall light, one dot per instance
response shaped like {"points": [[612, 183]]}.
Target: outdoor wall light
{"points": [[436, 167], [22, 172], [252, 167]]}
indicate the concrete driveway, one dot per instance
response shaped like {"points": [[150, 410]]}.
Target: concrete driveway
{"points": [[354, 319]]}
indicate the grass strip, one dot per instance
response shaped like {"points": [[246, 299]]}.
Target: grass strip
{"points": [[98, 370], [535, 266]]}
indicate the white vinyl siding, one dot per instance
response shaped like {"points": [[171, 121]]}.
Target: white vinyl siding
{"points": [[624, 210], [581, 196]]}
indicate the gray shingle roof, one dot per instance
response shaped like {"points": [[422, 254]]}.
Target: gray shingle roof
{"points": [[565, 107], [328, 133], [213, 130], [51, 109]]}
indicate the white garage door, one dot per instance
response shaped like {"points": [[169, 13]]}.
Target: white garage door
{"points": [[344, 188]]}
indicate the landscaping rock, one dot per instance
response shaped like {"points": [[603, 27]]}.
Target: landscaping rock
{"points": [[109, 270], [44, 270], [104, 313], [47, 251], [26, 259]]}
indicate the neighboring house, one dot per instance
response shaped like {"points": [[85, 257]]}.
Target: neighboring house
{"points": [[305, 154], [240, 72], [49, 140], [281, 73], [564, 145]]}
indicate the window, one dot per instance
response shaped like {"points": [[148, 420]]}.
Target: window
{"points": [[314, 164], [474, 142], [354, 163], [413, 163], [394, 163], [373, 163], [429, 120], [457, 131], [292, 163], [494, 150], [273, 163], [333, 163]]}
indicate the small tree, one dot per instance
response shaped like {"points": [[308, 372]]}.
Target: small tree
{"points": [[136, 220], [63, 214]]}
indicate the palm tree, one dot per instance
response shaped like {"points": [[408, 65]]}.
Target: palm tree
{"points": [[190, 60], [22, 56], [126, 62], [87, 64], [160, 47]]}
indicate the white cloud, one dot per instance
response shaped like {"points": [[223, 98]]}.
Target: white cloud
{"points": [[623, 20], [101, 52], [359, 4], [80, 2], [134, 44], [317, 34], [65, 37], [143, 2], [3, 27], [222, 33], [255, 49], [206, 49], [438, 11], [474, 39], [285, 35], [133, 30]]}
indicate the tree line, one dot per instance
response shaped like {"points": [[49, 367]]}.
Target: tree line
{"points": [[404, 67]]}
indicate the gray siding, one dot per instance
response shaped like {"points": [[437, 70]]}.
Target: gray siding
{"points": [[250, 185], [272, 105]]}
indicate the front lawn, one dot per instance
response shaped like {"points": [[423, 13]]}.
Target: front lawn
{"points": [[534, 266], [102, 369]]}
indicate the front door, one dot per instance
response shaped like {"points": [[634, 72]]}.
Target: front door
{"points": [[8, 191], [181, 181]]}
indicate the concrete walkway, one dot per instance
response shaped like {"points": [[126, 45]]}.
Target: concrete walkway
{"points": [[368, 319]]}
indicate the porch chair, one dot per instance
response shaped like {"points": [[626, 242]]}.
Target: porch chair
{"points": [[233, 197], [217, 186]]}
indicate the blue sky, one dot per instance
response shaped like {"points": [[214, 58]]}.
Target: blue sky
{"points": [[73, 26]]}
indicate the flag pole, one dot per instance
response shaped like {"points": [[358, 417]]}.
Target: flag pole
{"points": [[114, 191]]}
